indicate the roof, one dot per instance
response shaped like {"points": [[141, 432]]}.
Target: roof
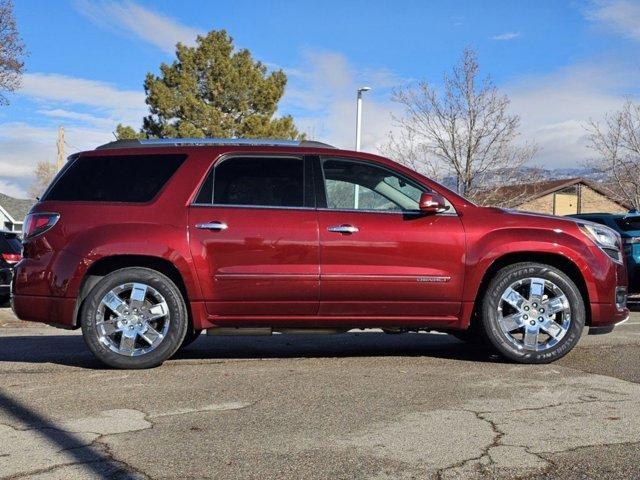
{"points": [[202, 142], [17, 208], [516, 195]]}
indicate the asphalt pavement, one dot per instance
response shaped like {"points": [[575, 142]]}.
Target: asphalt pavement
{"points": [[352, 406]]}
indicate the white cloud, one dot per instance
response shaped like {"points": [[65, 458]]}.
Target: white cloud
{"points": [[12, 189], [130, 18], [77, 117], [554, 108], [73, 90], [321, 95], [83, 102], [622, 16], [506, 36]]}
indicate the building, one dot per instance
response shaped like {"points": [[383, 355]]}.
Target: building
{"points": [[560, 197], [12, 212]]}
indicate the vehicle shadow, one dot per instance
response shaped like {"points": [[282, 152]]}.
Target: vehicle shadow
{"points": [[94, 461], [70, 350]]}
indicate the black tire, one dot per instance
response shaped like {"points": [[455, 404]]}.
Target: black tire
{"points": [[5, 301], [191, 336], [172, 340], [492, 299]]}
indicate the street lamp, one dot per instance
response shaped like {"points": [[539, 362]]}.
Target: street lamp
{"points": [[361, 90], [356, 187]]}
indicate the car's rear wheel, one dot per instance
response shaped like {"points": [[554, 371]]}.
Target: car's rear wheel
{"points": [[533, 313], [134, 318]]}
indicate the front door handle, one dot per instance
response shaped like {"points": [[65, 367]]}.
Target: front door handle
{"points": [[347, 229], [212, 226]]}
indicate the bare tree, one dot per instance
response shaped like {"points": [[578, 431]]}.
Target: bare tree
{"points": [[43, 173], [12, 50], [616, 143], [462, 132]]}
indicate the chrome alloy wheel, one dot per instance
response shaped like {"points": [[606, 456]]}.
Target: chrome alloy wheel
{"points": [[132, 319], [534, 314]]}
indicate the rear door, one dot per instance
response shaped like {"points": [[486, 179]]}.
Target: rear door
{"points": [[380, 256], [254, 237]]}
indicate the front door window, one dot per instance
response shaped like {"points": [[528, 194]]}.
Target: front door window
{"points": [[352, 185]]}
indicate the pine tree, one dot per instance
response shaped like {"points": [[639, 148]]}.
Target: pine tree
{"points": [[213, 90]]}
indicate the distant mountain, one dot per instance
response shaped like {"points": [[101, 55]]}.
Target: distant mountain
{"points": [[529, 175], [560, 173]]}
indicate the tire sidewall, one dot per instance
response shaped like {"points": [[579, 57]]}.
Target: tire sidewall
{"points": [[177, 311], [497, 287]]}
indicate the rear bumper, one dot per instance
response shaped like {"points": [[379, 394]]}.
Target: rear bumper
{"points": [[54, 311]]}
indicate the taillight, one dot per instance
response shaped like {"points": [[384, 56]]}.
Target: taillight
{"points": [[11, 257], [38, 223]]}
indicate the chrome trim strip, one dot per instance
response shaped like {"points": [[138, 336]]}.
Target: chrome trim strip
{"points": [[267, 276], [252, 207], [386, 278], [335, 277], [416, 213]]}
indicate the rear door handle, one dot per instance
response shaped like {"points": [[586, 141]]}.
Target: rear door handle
{"points": [[348, 229], [212, 226]]}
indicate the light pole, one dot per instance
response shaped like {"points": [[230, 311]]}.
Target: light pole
{"points": [[361, 90], [356, 187]]}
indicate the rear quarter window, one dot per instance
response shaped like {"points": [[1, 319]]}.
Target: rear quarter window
{"points": [[118, 178]]}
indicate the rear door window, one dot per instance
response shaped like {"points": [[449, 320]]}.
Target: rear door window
{"points": [[255, 181], [121, 178]]}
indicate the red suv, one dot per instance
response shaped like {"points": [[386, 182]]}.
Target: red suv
{"points": [[144, 244]]}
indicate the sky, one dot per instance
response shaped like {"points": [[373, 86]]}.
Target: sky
{"points": [[561, 63]]}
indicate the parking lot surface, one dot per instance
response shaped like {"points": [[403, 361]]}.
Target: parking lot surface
{"points": [[358, 405]]}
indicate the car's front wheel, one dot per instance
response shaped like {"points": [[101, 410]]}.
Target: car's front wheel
{"points": [[533, 313], [134, 318]]}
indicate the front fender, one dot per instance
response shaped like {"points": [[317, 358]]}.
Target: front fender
{"points": [[594, 265]]}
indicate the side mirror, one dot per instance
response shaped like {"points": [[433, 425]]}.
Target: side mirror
{"points": [[432, 203]]}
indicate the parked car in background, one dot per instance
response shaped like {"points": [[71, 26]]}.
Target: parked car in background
{"points": [[628, 226], [145, 243], [10, 254]]}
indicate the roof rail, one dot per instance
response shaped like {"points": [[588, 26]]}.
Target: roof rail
{"points": [[180, 142]]}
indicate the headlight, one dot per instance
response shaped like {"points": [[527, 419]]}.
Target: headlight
{"points": [[604, 237]]}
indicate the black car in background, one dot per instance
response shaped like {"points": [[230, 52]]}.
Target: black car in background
{"points": [[10, 254]]}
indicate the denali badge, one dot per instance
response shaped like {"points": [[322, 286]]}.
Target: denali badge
{"points": [[433, 279]]}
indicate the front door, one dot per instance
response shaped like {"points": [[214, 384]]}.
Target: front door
{"points": [[380, 256], [254, 238]]}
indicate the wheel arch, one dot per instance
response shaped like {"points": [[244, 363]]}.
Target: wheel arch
{"points": [[106, 265], [560, 262]]}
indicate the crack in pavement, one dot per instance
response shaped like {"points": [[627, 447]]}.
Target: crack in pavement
{"points": [[488, 456], [221, 407], [84, 439], [485, 435]]}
